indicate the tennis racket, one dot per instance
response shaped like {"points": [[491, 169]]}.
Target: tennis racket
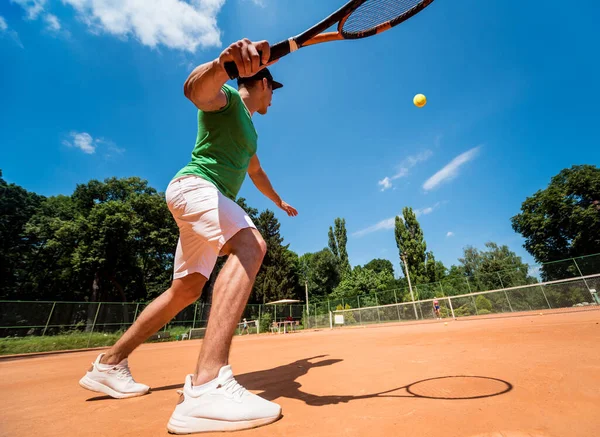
{"points": [[356, 19]]}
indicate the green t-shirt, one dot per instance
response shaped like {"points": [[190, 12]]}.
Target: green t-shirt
{"points": [[226, 141]]}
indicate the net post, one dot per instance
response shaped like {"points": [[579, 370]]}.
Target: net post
{"points": [[94, 324], [330, 320], [49, 317], [451, 307]]}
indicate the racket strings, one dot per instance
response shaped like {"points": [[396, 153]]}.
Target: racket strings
{"points": [[374, 13]]}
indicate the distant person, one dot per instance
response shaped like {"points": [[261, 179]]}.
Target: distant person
{"points": [[436, 309]]}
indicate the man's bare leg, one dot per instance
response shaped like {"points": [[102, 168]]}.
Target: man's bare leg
{"points": [[246, 251], [183, 292]]}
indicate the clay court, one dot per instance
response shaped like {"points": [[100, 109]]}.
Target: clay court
{"points": [[527, 375]]}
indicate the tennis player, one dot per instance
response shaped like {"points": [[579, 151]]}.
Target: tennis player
{"points": [[201, 199], [436, 308]]}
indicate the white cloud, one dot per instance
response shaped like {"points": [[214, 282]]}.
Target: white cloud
{"points": [[32, 7], [450, 234], [83, 141], [389, 223], [383, 224], [9, 33], [404, 167], [176, 24], [52, 22], [261, 3], [90, 145], [450, 171]]}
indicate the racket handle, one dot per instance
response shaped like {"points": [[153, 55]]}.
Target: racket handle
{"points": [[278, 50]]}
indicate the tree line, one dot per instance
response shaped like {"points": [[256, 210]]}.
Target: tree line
{"points": [[114, 240]]}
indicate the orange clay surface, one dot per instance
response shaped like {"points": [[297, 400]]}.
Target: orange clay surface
{"points": [[498, 377]]}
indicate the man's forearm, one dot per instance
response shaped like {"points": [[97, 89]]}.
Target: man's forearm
{"points": [[204, 83], [262, 182]]}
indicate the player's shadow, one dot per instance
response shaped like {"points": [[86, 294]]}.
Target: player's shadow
{"points": [[282, 382]]}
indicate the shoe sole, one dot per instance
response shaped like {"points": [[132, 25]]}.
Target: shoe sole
{"points": [[98, 387], [179, 424]]}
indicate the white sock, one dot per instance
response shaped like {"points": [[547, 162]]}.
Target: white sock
{"points": [[201, 389], [104, 367]]}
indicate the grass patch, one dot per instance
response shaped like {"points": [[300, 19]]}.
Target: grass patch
{"points": [[69, 341], [78, 340]]}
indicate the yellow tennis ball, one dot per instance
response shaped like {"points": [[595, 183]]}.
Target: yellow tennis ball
{"points": [[420, 100], [446, 323]]}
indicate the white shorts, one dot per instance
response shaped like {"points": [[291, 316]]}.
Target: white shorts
{"points": [[206, 219]]}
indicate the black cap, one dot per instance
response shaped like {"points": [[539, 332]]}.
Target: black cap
{"points": [[264, 73]]}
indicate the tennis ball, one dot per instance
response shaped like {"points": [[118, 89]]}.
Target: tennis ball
{"points": [[446, 323], [420, 100]]}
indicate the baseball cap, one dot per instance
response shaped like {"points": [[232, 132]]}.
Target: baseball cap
{"points": [[264, 73]]}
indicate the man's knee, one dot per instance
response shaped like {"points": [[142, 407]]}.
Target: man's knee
{"points": [[248, 242], [189, 287]]}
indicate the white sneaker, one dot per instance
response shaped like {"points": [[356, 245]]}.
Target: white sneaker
{"points": [[115, 381], [224, 406]]}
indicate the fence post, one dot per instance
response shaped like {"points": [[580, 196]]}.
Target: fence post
{"points": [[397, 306], [137, 307], [94, 324], [195, 312], [508, 300], [475, 305], [358, 300], [542, 288], [501, 283], [468, 285], [49, 317], [377, 304], [584, 281]]}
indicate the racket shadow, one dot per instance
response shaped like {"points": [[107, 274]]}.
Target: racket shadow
{"points": [[281, 382]]}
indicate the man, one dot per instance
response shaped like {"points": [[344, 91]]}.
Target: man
{"points": [[201, 199]]}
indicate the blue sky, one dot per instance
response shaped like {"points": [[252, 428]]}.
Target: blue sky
{"points": [[93, 89]]}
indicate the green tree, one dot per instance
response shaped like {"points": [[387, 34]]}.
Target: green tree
{"points": [[362, 281], [563, 220], [494, 268], [332, 243], [321, 270], [411, 243], [111, 240], [337, 244], [278, 277], [379, 265], [17, 205]]}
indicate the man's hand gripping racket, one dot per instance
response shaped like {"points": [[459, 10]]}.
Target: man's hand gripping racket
{"points": [[356, 19]]}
